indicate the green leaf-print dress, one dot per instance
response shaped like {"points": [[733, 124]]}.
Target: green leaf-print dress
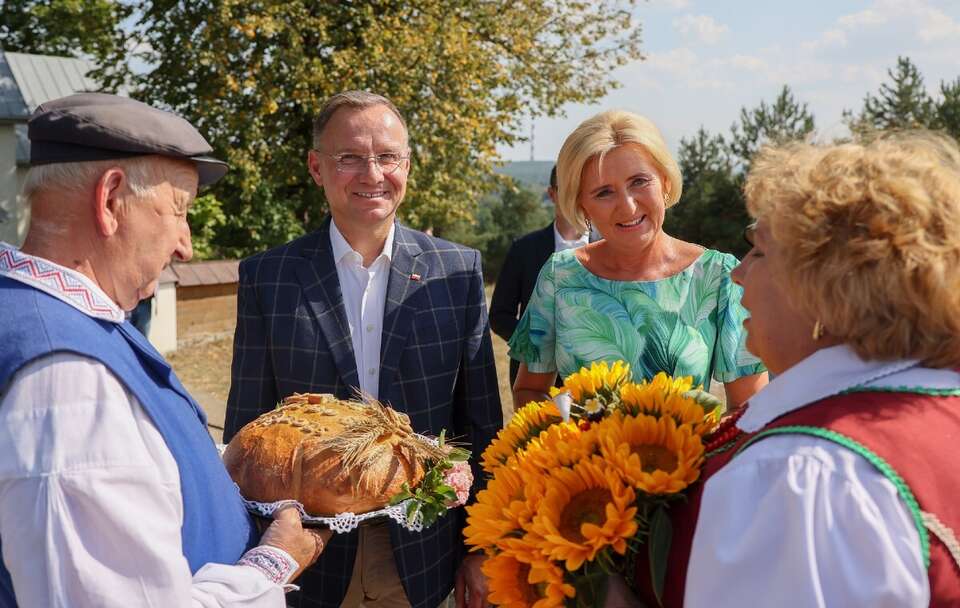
{"points": [[689, 324]]}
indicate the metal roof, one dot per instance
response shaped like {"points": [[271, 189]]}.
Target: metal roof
{"points": [[213, 272], [27, 81]]}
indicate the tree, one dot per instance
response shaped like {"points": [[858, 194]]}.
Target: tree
{"points": [[87, 29], [785, 120], [901, 104], [711, 212], [252, 74], [948, 108], [509, 213]]}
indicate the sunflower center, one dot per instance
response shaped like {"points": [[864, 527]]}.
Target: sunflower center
{"points": [[528, 591], [587, 507], [656, 458]]}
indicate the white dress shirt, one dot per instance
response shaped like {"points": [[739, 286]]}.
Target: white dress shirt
{"points": [[560, 243], [799, 521], [364, 292], [90, 503]]}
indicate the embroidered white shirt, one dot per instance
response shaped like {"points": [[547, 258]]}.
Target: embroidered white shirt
{"points": [[560, 243], [90, 503], [364, 292], [798, 521]]}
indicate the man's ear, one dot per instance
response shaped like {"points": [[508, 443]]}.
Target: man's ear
{"points": [[313, 165], [107, 203]]}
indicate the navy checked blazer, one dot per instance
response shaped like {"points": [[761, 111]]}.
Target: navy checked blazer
{"points": [[437, 366]]}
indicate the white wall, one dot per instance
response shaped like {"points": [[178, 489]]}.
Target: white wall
{"points": [[163, 323]]}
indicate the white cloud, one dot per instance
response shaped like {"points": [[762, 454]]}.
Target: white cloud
{"points": [[865, 18], [748, 62], [832, 38], [918, 17], [702, 28], [674, 4], [675, 61]]}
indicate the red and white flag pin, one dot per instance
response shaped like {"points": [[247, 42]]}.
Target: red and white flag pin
{"points": [[414, 277]]}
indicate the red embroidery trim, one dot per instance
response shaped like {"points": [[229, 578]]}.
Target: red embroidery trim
{"points": [[53, 278]]}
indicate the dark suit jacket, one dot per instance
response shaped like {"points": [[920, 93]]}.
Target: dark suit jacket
{"points": [[525, 258], [436, 365]]}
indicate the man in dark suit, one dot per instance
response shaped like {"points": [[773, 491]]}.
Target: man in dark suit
{"points": [[525, 258], [365, 303]]}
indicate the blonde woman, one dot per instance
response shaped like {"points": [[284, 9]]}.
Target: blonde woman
{"points": [[639, 294], [837, 484]]}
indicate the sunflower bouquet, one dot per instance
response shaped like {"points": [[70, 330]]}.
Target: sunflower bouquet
{"points": [[581, 484]]}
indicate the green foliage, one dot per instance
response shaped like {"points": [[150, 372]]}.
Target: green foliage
{"points": [[68, 28], [901, 104], [206, 216], [784, 120], [503, 216], [712, 211], [948, 108], [253, 74], [432, 497]]}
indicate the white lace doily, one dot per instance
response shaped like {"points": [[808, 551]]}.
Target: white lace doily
{"points": [[341, 522]]}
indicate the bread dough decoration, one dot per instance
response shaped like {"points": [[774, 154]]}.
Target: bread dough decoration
{"points": [[331, 455]]}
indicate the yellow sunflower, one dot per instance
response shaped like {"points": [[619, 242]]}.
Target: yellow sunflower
{"points": [[601, 379], [665, 396], [561, 445], [500, 509], [511, 585], [653, 455], [526, 424], [586, 509]]}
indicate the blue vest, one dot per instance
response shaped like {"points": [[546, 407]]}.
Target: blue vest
{"points": [[216, 526]]}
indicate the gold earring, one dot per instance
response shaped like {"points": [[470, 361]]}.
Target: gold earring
{"points": [[817, 330], [589, 225]]}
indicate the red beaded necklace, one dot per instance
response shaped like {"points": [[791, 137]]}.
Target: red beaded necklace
{"points": [[722, 438]]}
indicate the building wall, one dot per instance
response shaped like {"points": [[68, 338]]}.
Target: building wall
{"points": [[206, 309], [14, 217], [163, 322]]}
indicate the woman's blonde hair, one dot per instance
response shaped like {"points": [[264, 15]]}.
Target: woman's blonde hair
{"points": [[598, 135], [869, 235]]}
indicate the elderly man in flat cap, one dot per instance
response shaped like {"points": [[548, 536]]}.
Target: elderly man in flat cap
{"points": [[111, 490]]}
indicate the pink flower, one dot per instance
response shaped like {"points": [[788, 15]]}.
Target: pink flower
{"points": [[460, 478]]}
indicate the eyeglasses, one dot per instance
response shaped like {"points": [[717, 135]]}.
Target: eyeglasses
{"points": [[357, 163], [749, 232]]}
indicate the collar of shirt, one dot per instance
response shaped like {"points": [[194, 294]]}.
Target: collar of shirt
{"points": [[60, 282], [560, 243], [342, 249], [830, 371]]}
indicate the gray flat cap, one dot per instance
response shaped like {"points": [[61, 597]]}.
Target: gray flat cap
{"points": [[96, 126]]}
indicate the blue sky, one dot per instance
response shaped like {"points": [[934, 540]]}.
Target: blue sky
{"points": [[705, 59]]}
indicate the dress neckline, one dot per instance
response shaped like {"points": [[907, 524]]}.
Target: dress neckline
{"points": [[684, 270]]}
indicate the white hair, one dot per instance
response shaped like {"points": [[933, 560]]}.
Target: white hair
{"points": [[143, 174]]}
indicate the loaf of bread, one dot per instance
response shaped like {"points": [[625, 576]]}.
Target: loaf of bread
{"points": [[333, 456]]}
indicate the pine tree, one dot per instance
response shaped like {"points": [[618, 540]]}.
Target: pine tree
{"points": [[786, 119], [948, 108], [903, 103]]}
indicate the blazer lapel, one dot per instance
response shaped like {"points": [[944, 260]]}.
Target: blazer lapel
{"points": [[407, 278], [317, 274]]}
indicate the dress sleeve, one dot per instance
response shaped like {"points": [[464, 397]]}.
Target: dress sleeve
{"points": [[534, 340], [796, 521], [731, 359]]}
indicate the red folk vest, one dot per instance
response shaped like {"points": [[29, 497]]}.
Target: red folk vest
{"points": [[916, 435]]}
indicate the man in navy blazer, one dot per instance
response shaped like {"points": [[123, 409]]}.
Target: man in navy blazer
{"points": [[365, 303]]}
